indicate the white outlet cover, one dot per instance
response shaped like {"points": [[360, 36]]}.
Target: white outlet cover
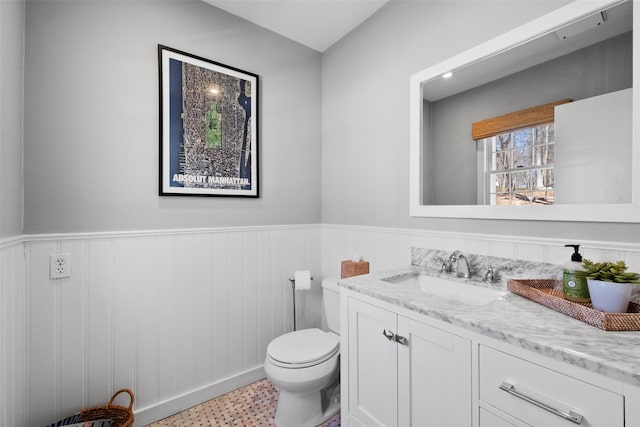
{"points": [[59, 266]]}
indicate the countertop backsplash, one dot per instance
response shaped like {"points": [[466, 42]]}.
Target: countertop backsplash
{"points": [[505, 268]]}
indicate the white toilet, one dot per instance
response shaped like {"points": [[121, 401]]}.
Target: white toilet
{"points": [[305, 367]]}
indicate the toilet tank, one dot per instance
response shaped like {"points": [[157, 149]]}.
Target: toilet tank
{"points": [[331, 300]]}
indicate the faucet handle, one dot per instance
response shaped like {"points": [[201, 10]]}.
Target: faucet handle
{"points": [[446, 265], [490, 275]]}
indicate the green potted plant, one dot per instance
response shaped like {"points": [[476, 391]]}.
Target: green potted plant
{"points": [[610, 285]]}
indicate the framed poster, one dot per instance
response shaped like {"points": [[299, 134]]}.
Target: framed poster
{"points": [[208, 127]]}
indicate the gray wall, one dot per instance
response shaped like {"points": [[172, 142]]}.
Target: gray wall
{"points": [[365, 145], [91, 117], [11, 72]]}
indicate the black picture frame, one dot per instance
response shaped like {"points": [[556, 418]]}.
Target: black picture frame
{"points": [[208, 127]]}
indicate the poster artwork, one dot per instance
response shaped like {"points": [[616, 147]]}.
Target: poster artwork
{"points": [[208, 127]]}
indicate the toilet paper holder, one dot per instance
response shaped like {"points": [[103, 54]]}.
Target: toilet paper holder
{"points": [[293, 291]]}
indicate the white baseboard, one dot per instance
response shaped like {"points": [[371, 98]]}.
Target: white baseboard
{"points": [[165, 409]]}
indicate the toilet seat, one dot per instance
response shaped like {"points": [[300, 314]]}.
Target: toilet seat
{"points": [[302, 349]]}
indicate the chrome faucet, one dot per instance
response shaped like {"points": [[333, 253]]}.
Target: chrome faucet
{"points": [[465, 271]]}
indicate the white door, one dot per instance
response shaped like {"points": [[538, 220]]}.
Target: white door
{"points": [[434, 377], [372, 365]]}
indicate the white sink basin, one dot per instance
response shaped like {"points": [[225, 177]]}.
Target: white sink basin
{"points": [[450, 289]]}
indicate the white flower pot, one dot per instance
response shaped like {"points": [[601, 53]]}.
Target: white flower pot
{"points": [[611, 297]]}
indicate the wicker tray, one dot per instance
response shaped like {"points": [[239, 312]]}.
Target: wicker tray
{"points": [[549, 293]]}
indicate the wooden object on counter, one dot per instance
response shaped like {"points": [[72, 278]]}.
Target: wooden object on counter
{"points": [[549, 293], [351, 268]]}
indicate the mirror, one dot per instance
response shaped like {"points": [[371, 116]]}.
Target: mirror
{"points": [[538, 63]]}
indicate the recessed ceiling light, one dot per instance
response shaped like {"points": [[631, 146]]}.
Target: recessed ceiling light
{"points": [[447, 75]]}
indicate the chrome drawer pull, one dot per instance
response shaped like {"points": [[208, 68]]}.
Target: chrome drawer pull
{"points": [[571, 416]]}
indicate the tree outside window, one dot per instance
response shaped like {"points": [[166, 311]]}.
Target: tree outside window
{"points": [[520, 168]]}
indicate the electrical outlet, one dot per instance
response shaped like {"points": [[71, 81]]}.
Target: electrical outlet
{"points": [[59, 266]]}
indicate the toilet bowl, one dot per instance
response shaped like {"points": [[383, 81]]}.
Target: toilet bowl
{"points": [[304, 367]]}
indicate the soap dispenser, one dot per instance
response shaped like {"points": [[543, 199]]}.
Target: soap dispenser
{"points": [[574, 284]]}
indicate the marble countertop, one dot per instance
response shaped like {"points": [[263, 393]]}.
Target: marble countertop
{"points": [[515, 320]]}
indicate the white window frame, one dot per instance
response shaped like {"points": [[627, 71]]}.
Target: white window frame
{"points": [[486, 193]]}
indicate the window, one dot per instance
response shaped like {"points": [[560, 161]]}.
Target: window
{"points": [[518, 151], [520, 166]]}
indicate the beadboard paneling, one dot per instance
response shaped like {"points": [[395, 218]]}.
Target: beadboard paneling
{"points": [[181, 316], [13, 346], [169, 315]]}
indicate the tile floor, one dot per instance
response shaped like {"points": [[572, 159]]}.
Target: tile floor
{"points": [[250, 406]]}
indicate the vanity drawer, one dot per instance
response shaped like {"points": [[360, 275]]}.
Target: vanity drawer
{"points": [[541, 397]]}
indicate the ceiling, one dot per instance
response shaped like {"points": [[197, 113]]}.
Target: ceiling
{"points": [[317, 24]]}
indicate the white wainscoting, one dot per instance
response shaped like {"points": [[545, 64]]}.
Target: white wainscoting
{"points": [[179, 317], [13, 333], [182, 316]]}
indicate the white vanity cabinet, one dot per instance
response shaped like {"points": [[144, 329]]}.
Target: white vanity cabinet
{"points": [[403, 372], [402, 368]]}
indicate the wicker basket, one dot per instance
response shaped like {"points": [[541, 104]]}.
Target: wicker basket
{"points": [[549, 294], [122, 416]]}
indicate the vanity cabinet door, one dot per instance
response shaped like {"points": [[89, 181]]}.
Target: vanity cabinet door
{"points": [[402, 372], [434, 370], [372, 365]]}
